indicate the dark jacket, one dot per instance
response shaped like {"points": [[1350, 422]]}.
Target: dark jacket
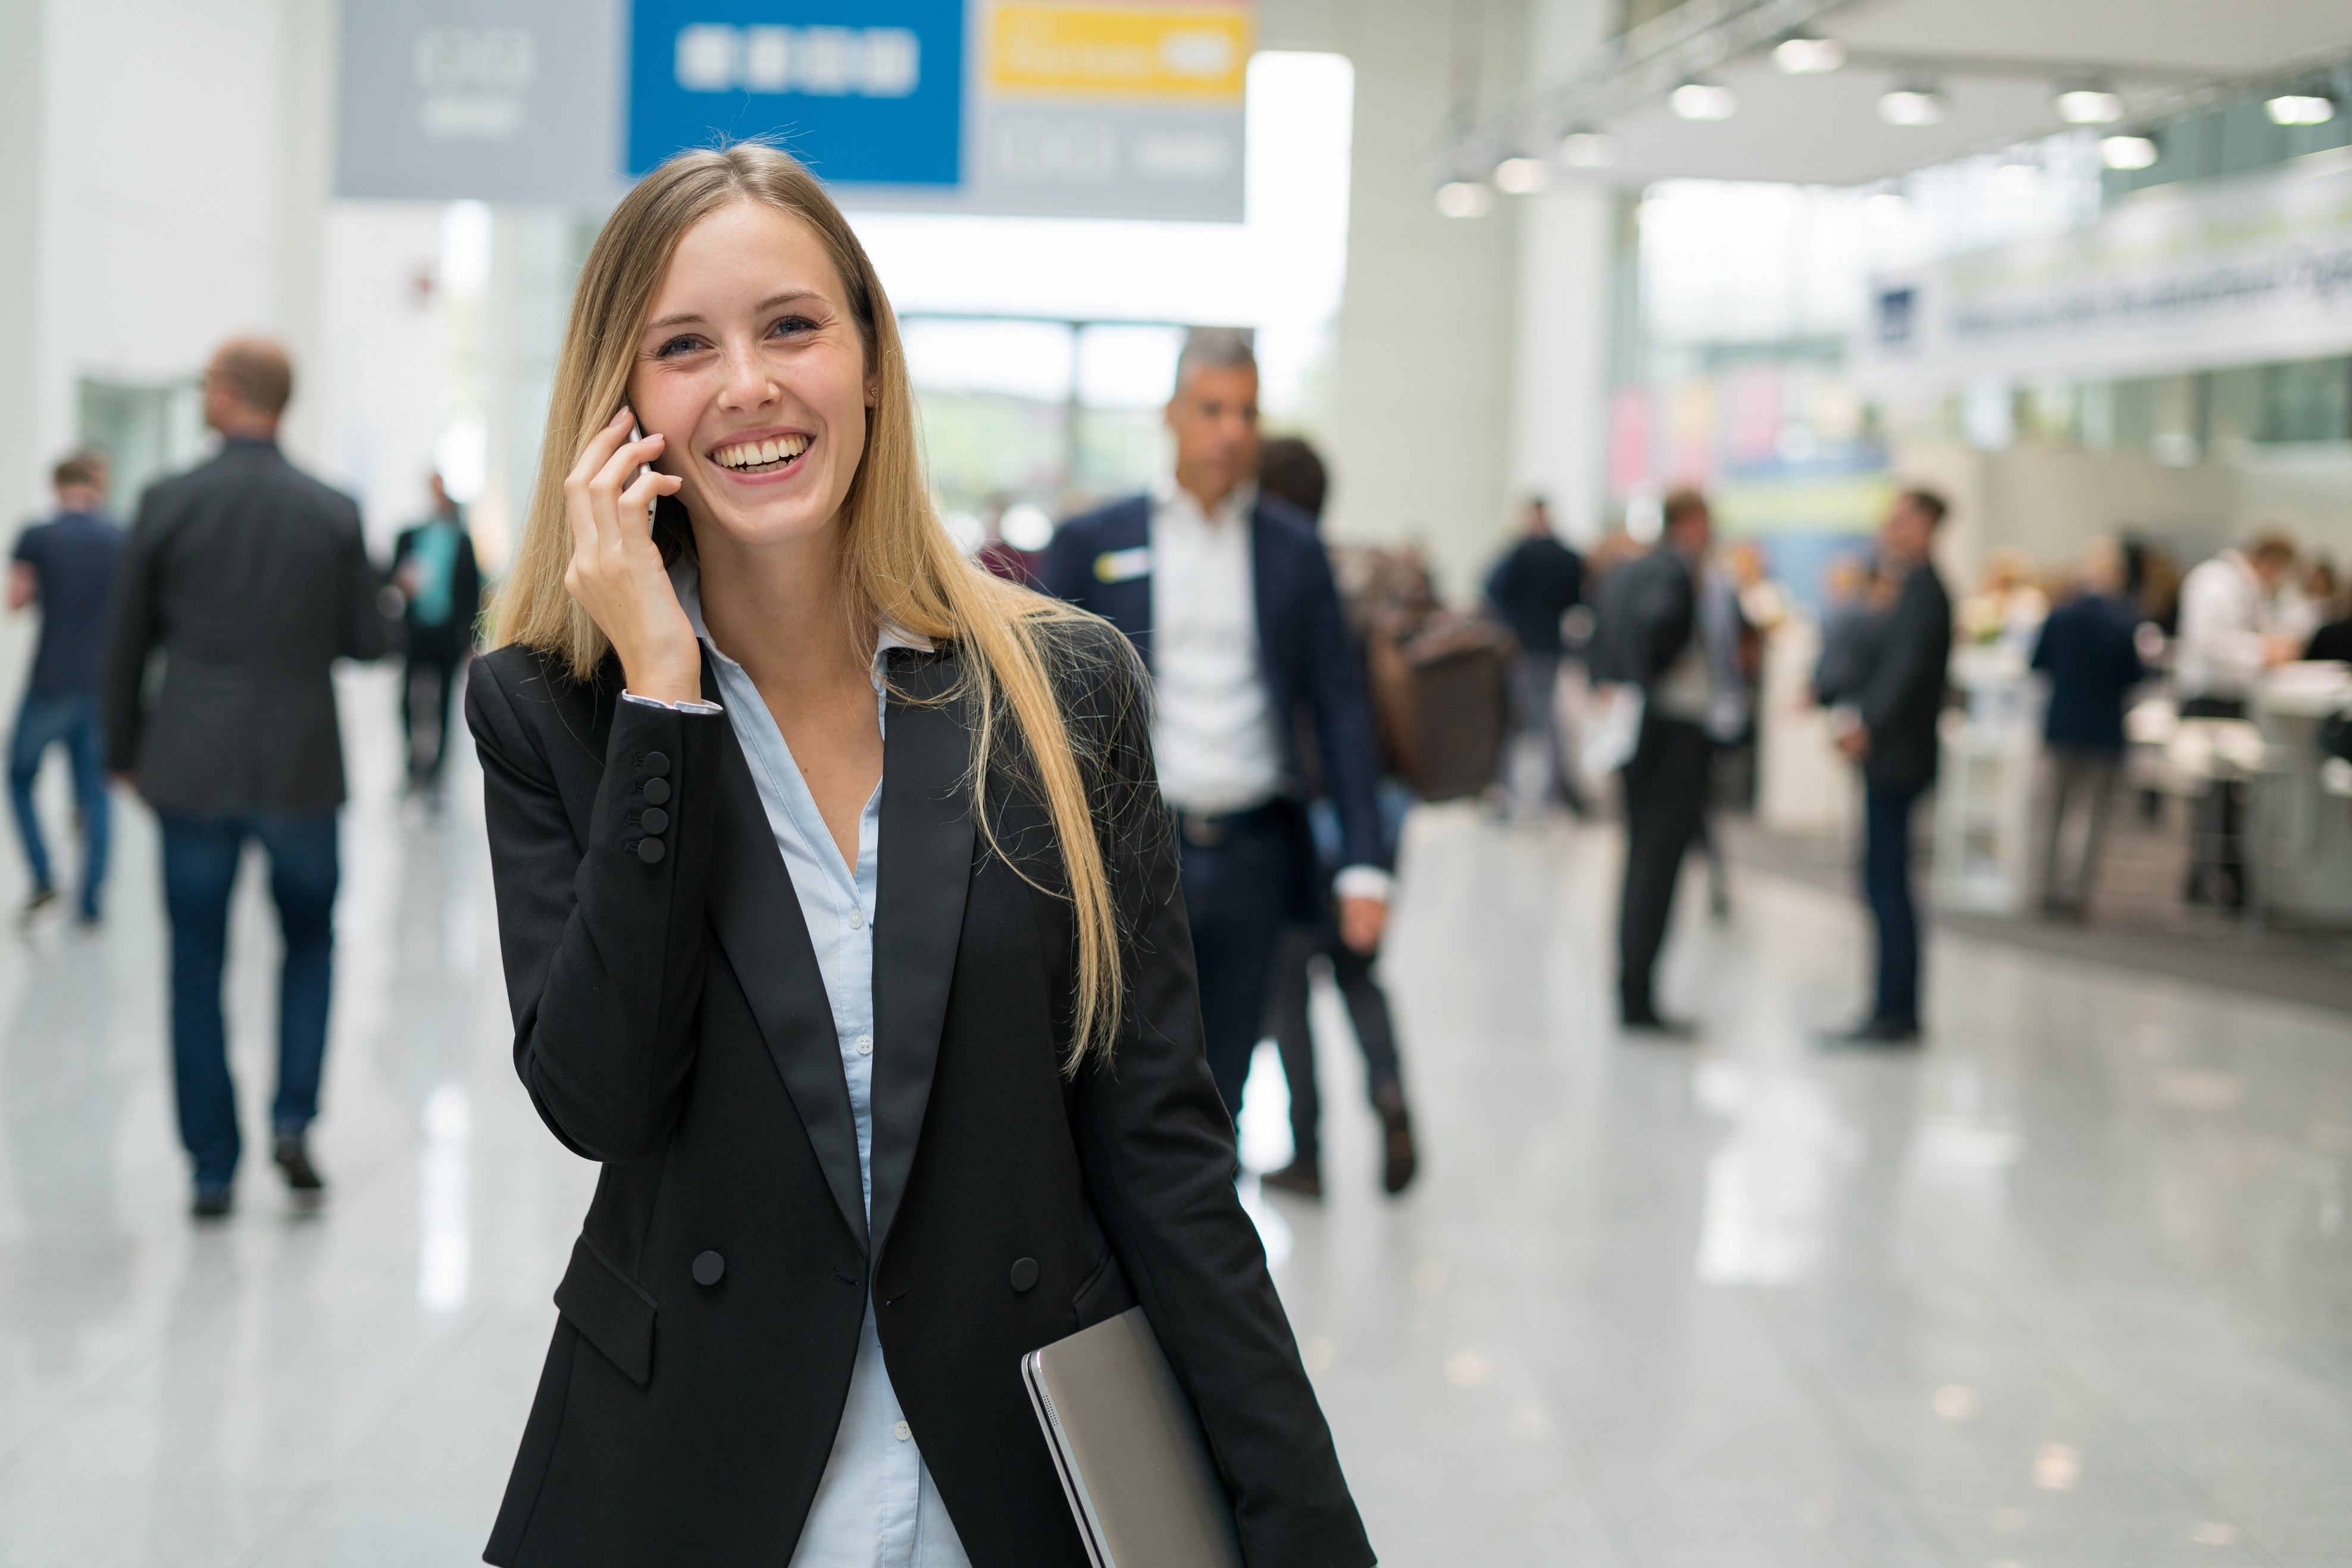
{"points": [[1649, 611], [2332, 641], [1311, 663], [1850, 638], [1536, 583], [1904, 690], [671, 1022], [465, 588], [2086, 649], [252, 579]]}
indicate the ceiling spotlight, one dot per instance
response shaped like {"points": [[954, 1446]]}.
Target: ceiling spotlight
{"points": [[1465, 199], [1522, 176], [2017, 176], [1800, 56], [2301, 109], [2089, 106], [1588, 150], [1912, 106], [1886, 208], [2127, 151], [1704, 101]]}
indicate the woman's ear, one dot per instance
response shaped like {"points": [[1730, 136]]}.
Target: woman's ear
{"points": [[872, 392]]}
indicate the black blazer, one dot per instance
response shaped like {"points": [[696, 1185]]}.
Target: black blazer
{"points": [[1648, 611], [1904, 691], [252, 578], [671, 1022], [1311, 665]]}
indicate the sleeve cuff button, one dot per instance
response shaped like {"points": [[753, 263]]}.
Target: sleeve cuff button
{"points": [[655, 819], [656, 764], [650, 850], [656, 791]]}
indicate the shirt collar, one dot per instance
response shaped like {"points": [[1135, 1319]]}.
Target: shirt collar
{"points": [[686, 579], [1165, 494]]}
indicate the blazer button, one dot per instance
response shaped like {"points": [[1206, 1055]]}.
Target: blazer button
{"points": [[650, 850], [656, 791], [1024, 1274], [707, 1268], [656, 764], [655, 819]]}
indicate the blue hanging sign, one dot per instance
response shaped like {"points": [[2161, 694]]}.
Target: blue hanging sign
{"points": [[864, 91]]}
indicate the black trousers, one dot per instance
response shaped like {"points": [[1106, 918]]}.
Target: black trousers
{"points": [[1367, 1009], [1241, 879], [435, 653], [1666, 785]]}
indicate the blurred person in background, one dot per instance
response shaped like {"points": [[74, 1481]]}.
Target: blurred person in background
{"points": [[1855, 599], [1892, 736], [1291, 470], [2333, 639], [1664, 632], [2088, 648], [1227, 594], [67, 567], [1538, 581], [2009, 607], [251, 579], [433, 565], [2235, 625], [1014, 535]]}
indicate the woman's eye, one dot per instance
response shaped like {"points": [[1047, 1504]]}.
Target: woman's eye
{"points": [[676, 346], [790, 324]]}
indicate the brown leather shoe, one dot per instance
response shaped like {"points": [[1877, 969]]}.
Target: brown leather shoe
{"points": [[1399, 1159], [1299, 1176]]}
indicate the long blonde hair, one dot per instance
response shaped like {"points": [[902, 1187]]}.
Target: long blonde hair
{"points": [[899, 563]]}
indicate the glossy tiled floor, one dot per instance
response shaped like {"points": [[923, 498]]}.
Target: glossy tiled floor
{"points": [[2071, 1288]]}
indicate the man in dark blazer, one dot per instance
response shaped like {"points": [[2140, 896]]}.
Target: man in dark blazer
{"points": [[1650, 637], [252, 579], [2089, 648], [1894, 741], [440, 585], [1229, 597]]}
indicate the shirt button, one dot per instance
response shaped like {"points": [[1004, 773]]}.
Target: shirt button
{"points": [[865, 1045], [857, 920], [902, 1431]]}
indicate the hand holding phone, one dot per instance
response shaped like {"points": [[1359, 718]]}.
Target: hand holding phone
{"points": [[617, 572]]}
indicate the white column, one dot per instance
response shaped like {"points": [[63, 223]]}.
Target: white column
{"points": [[20, 258], [1559, 412]]}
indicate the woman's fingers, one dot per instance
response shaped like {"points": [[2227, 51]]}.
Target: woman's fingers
{"points": [[594, 457], [635, 504], [619, 471]]}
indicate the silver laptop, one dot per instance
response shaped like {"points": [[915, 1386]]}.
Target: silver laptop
{"points": [[1129, 1451]]}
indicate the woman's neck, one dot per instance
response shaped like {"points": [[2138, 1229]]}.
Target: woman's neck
{"points": [[776, 610]]}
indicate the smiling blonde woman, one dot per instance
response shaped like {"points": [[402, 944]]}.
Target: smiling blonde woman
{"points": [[841, 923]]}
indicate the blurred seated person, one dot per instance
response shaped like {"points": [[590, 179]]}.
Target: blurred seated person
{"points": [[1290, 470], [2088, 650], [2234, 627]]}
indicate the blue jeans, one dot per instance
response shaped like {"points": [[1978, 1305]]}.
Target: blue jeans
{"points": [[200, 860], [70, 718], [1887, 882]]}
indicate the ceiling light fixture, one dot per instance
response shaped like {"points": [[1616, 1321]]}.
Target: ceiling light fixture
{"points": [[2018, 176], [1799, 55], [1704, 101], [2128, 151], [1522, 176], [1465, 199], [2089, 106], [1914, 105], [1886, 208], [2301, 109], [1588, 150]]}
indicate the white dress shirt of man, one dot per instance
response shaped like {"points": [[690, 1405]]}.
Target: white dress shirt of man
{"points": [[2231, 628]]}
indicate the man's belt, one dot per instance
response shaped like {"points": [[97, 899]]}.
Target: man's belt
{"points": [[1213, 830]]}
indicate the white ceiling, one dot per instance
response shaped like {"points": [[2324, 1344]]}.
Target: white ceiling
{"points": [[1825, 129]]}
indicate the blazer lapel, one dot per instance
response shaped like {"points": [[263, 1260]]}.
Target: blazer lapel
{"points": [[758, 917], [924, 872]]}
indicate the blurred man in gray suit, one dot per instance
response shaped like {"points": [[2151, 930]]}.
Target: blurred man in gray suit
{"points": [[252, 579]]}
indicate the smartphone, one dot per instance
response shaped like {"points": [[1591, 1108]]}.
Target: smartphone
{"points": [[637, 433]]}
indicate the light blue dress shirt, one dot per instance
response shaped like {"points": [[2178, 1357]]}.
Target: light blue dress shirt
{"points": [[877, 1506]]}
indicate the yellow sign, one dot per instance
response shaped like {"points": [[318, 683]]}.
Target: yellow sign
{"points": [[1196, 53]]}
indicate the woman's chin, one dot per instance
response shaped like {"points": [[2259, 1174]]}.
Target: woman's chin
{"points": [[776, 525]]}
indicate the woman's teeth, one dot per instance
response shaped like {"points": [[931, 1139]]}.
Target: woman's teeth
{"points": [[746, 457]]}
